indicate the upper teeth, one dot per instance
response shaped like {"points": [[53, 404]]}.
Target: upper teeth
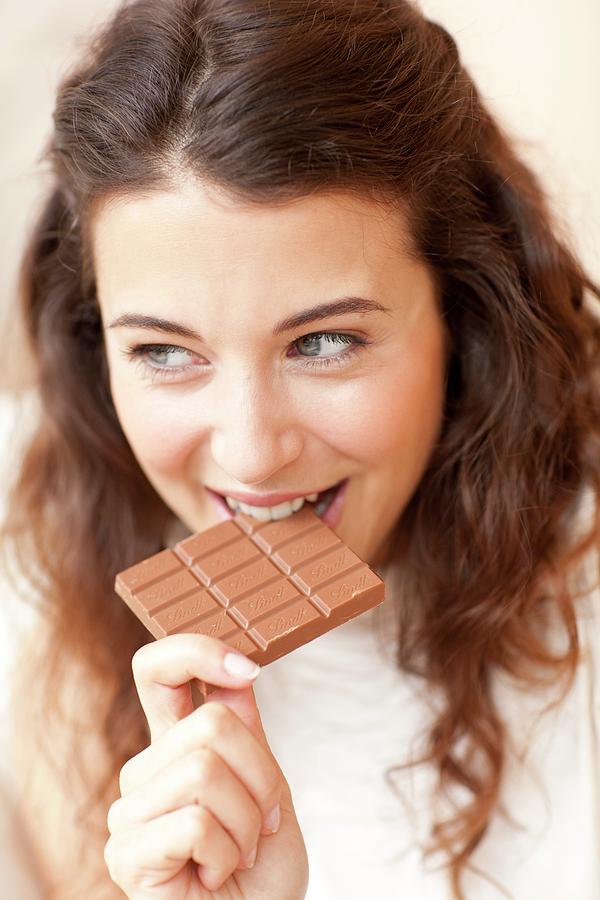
{"points": [[267, 513]]}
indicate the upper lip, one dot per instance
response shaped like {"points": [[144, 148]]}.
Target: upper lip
{"points": [[267, 499]]}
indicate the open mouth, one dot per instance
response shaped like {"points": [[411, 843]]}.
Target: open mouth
{"points": [[325, 499], [327, 506]]}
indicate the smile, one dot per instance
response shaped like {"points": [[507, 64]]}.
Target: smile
{"points": [[327, 505]]}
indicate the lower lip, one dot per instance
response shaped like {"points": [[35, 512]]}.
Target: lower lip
{"points": [[331, 516]]}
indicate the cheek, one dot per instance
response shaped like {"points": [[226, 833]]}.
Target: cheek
{"points": [[392, 414], [159, 430]]}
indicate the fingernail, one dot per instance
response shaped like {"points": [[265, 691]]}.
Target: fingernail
{"points": [[251, 858], [272, 820], [241, 666]]}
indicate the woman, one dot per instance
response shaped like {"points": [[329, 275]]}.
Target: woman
{"points": [[288, 249]]}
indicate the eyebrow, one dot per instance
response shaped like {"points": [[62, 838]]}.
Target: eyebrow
{"points": [[340, 307]]}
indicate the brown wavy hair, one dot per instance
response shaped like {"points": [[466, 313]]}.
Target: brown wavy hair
{"points": [[273, 102]]}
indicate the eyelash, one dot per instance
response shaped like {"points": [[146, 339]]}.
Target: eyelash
{"points": [[138, 353]]}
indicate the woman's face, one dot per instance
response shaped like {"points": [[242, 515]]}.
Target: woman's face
{"points": [[230, 395]]}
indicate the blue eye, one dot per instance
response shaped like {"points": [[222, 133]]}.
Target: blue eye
{"points": [[154, 358], [312, 343], [331, 337], [160, 354]]}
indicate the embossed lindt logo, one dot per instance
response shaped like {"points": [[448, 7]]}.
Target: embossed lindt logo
{"points": [[181, 612], [261, 602], [246, 579], [243, 581], [226, 559], [284, 623], [304, 549], [323, 569], [230, 555], [165, 591], [348, 588]]}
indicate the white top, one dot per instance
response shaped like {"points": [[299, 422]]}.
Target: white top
{"points": [[337, 714]]}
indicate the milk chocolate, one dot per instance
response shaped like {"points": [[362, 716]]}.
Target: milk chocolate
{"points": [[263, 588]]}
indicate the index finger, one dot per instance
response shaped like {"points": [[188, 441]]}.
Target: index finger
{"points": [[164, 669]]}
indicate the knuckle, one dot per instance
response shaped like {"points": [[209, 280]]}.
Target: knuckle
{"points": [[216, 719], [198, 820], [204, 764], [205, 642]]}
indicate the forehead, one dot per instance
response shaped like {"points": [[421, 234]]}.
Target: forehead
{"points": [[193, 236], [201, 210]]}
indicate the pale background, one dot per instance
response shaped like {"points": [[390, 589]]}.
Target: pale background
{"points": [[536, 63]]}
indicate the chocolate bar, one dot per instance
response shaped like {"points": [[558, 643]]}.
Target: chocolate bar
{"points": [[263, 588]]}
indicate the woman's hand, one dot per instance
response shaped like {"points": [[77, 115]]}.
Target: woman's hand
{"points": [[193, 804]]}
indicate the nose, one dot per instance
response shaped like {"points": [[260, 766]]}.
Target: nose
{"points": [[255, 433]]}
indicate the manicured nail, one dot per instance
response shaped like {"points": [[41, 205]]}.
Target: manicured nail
{"points": [[272, 820], [241, 666]]}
